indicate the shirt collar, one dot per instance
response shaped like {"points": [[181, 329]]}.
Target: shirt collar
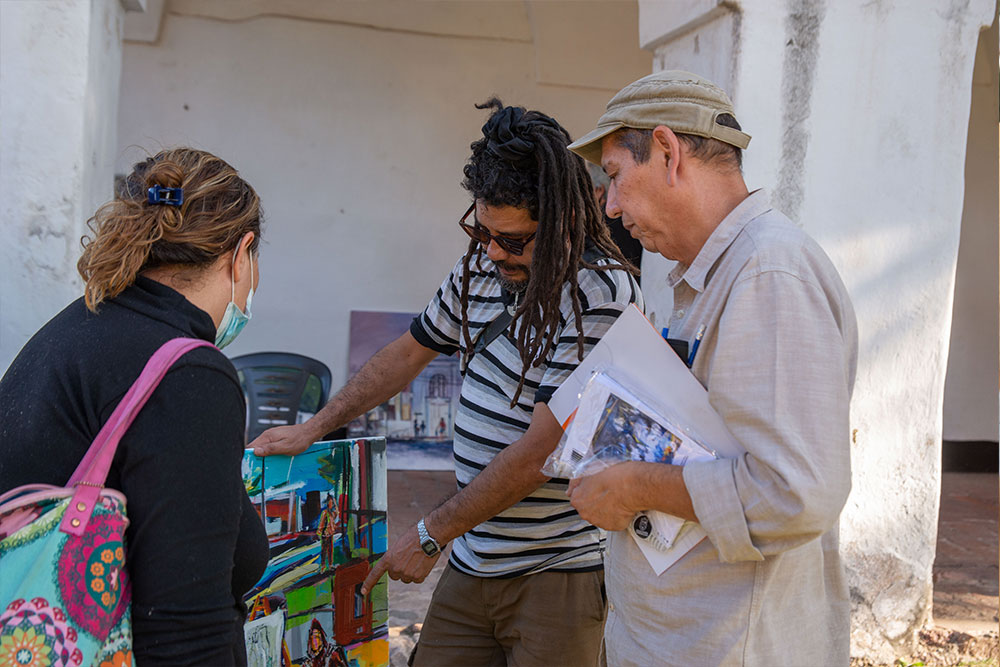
{"points": [[755, 204], [164, 304]]}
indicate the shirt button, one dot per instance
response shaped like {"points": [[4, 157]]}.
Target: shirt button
{"points": [[611, 607], [679, 314]]}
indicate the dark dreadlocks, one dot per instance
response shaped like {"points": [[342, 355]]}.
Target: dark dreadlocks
{"points": [[522, 161]]}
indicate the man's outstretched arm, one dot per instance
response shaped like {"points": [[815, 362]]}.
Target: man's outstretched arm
{"points": [[509, 477], [382, 377]]}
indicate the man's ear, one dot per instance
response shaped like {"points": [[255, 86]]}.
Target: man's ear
{"points": [[667, 147]]}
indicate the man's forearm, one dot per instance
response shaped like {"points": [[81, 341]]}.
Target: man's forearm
{"points": [[505, 481], [382, 377], [611, 498], [655, 486], [511, 475]]}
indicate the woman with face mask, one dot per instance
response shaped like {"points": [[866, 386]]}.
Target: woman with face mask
{"points": [[173, 255]]}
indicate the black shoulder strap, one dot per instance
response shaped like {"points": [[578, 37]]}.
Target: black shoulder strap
{"points": [[493, 330], [496, 327], [591, 254]]}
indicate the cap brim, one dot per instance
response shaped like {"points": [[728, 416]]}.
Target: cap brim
{"points": [[589, 146]]}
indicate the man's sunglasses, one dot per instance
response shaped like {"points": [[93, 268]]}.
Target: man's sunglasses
{"points": [[477, 233]]}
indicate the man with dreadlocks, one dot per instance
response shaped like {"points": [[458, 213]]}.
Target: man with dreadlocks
{"points": [[541, 282]]}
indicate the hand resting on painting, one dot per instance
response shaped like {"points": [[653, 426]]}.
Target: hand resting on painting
{"points": [[173, 255], [287, 440], [382, 377]]}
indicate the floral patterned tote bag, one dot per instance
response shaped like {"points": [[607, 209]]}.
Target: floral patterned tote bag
{"points": [[64, 587]]}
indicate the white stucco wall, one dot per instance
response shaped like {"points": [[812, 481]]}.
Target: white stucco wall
{"points": [[355, 137], [869, 158], [60, 64], [970, 408]]}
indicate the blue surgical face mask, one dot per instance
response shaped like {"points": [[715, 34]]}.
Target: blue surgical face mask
{"points": [[234, 319]]}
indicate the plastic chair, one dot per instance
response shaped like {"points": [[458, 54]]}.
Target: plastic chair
{"points": [[279, 387]]}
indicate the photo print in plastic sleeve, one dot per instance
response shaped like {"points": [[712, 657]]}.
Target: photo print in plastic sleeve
{"points": [[613, 425]]}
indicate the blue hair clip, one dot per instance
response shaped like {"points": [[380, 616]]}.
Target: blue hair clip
{"points": [[166, 196]]}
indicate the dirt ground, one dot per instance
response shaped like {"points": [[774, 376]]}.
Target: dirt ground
{"points": [[941, 647]]}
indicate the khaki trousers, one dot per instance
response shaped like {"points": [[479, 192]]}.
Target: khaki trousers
{"points": [[549, 619]]}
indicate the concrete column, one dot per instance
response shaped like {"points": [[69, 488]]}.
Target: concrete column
{"points": [[60, 67], [859, 113]]}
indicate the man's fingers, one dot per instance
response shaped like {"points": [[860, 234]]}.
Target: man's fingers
{"points": [[259, 443], [272, 449], [274, 441], [380, 567], [265, 443], [573, 483]]}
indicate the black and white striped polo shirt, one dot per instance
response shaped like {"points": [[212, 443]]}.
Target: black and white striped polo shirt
{"points": [[543, 531]]}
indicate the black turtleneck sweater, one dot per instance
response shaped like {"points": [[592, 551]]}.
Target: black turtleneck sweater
{"points": [[194, 545]]}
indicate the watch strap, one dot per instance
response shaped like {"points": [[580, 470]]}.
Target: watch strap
{"points": [[426, 538]]}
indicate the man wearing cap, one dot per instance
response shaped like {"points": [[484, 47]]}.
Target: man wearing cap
{"points": [[778, 355]]}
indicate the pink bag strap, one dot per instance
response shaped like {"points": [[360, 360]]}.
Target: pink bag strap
{"points": [[90, 475]]}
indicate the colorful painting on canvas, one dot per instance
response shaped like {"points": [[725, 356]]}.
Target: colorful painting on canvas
{"points": [[418, 422], [324, 512]]}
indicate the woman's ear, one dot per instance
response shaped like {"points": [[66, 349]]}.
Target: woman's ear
{"points": [[243, 250]]}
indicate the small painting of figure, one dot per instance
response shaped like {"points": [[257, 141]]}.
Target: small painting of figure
{"points": [[322, 652], [326, 532]]}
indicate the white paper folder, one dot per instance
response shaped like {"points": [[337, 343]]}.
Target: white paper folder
{"points": [[638, 358]]}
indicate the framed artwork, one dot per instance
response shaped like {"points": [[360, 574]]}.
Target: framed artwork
{"points": [[324, 512], [418, 422]]}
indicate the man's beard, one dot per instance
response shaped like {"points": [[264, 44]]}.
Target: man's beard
{"points": [[514, 286]]}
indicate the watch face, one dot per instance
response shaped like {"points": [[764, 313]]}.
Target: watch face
{"points": [[642, 526], [429, 547]]}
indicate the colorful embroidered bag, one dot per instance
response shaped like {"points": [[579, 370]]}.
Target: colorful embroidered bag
{"points": [[64, 590]]}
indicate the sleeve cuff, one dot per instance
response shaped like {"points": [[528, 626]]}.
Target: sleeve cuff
{"points": [[719, 510], [420, 334], [544, 394]]}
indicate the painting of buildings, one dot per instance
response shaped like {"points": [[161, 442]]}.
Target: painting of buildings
{"points": [[324, 512], [418, 422]]}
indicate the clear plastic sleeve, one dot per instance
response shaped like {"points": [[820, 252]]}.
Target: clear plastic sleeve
{"points": [[613, 425]]}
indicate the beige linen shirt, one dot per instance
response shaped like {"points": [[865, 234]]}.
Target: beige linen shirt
{"points": [[778, 359]]}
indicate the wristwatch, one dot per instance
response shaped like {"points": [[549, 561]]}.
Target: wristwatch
{"points": [[427, 543]]}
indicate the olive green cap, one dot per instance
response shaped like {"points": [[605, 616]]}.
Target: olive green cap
{"points": [[682, 101]]}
